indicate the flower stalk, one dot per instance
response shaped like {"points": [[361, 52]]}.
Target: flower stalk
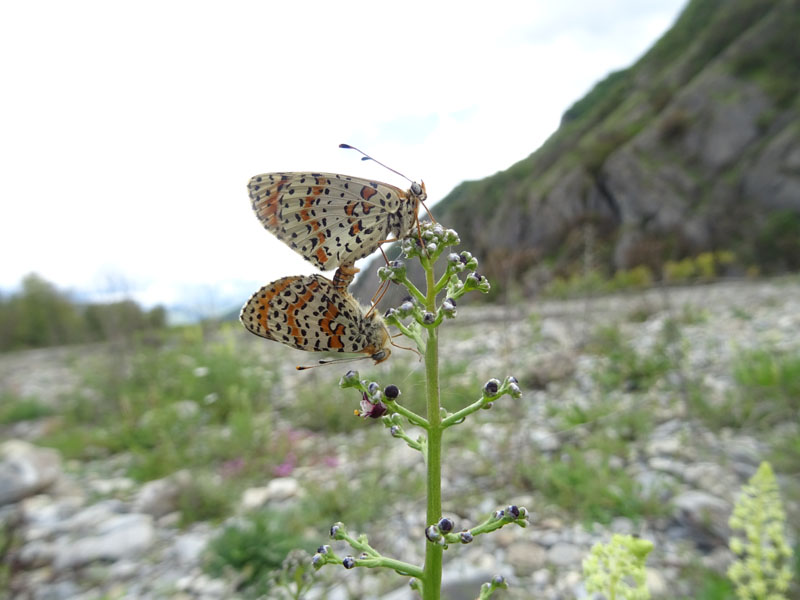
{"points": [[418, 318]]}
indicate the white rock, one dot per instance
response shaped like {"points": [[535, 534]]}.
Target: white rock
{"points": [[277, 490], [703, 513], [564, 554], [526, 557], [26, 470], [160, 497], [122, 536]]}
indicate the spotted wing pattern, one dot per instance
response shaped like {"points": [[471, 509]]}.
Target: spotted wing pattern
{"points": [[309, 313], [331, 219]]}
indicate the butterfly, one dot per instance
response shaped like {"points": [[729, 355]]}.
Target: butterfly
{"points": [[333, 220], [309, 312]]}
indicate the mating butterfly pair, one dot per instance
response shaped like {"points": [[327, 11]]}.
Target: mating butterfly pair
{"points": [[330, 220]]}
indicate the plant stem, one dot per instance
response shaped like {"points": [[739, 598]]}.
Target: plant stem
{"points": [[432, 571]]}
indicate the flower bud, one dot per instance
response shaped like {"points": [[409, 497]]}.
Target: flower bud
{"points": [[363, 556], [324, 549], [445, 525], [512, 379], [428, 318], [348, 562], [431, 247], [513, 511], [406, 308], [391, 392], [466, 537], [317, 561], [498, 514], [514, 390], [337, 531], [432, 533], [372, 388], [499, 580], [349, 379], [490, 387], [451, 238], [454, 258], [395, 430], [449, 308]]}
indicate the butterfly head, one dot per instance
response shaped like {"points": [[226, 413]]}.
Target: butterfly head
{"points": [[418, 190]]}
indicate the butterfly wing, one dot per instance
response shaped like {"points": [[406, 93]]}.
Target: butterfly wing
{"points": [[331, 219], [309, 313]]}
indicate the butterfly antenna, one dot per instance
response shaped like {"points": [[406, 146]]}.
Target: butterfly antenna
{"points": [[330, 361], [368, 157]]}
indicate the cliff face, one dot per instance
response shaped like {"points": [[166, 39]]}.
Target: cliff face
{"points": [[695, 147]]}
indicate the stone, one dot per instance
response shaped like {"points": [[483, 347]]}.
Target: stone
{"points": [[26, 470], [277, 490], [548, 368], [705, 515], [160, 497], [122, 536], [564, 554], [525, 557]]}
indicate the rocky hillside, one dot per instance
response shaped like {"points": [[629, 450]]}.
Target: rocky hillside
{"points": [[696, 147]]}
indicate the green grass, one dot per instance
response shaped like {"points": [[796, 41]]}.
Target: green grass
{"points": [[709, 585], [14, 409], [625, 368], [589, 487], [255, 546], [188, 404], [769, 385]]}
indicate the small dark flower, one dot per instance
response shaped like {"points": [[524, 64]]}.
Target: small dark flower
{"points": [[513, 511], [445, 525], [428, 318], [490, 387], [348, 562], [324, 549], [391, 392], [466, 537], [370, 410]]}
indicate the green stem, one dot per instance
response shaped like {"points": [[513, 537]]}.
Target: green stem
{"points": [[432, 570]]}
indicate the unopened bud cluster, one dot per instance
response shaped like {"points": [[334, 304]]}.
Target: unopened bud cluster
{"points": [[429, 241]]}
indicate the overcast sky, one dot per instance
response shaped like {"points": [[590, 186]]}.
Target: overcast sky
{"points": [[128, 130]]}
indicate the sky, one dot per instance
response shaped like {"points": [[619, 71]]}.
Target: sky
{"points": [[129, 130]]}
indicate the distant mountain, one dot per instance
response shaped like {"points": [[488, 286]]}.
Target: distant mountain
{"points": [[695, 147]]}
